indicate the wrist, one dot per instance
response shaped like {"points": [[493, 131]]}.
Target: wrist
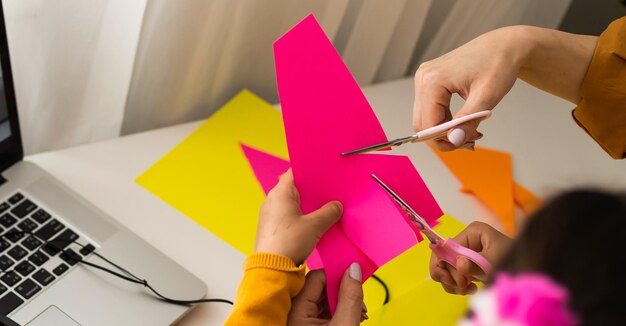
{"points": [[272, 261], [533, 40], [276, 248], [555, 61], [518, 43], [497, 247]]}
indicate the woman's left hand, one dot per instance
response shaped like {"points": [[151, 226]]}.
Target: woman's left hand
{"points": [[310, 307]]}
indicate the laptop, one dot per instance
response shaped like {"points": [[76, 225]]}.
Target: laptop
{"points": [[49, 234]]}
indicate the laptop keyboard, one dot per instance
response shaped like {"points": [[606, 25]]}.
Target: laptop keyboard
{"points": [[34, 251]]}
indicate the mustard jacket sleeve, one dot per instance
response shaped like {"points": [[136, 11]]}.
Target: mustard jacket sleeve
{"points": [[602, 110], [264, 296]]}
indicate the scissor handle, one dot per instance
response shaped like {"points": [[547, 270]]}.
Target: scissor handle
{"points": [[441, 130], [449, 250]]}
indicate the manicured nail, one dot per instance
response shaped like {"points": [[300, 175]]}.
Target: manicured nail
{"points": [[457, 137], [355, 272]]}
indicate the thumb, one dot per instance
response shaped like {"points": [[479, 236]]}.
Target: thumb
{"points": [[323, 218], [467, 267], [468, 131], [350, 303]]}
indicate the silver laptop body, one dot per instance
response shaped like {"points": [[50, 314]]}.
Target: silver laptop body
{"points": [[30, 199]]}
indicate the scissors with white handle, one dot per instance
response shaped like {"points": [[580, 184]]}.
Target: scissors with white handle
{"points": [[436, 132]]}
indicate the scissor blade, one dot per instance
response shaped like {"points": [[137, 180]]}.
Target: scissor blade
{"points": [[371, 148], [421, 224], [436, 132], [391, 193]]}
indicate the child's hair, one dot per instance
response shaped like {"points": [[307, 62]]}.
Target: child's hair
{"points": [[579, 240]]}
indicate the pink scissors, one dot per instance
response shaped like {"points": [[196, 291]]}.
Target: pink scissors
{"points": [[446, 249]]}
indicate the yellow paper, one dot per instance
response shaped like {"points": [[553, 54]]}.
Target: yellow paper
{"points": [[425, 304], [208, 179], [407, 271]]}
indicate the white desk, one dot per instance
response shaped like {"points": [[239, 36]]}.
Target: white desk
{"points": [[550, 153]]}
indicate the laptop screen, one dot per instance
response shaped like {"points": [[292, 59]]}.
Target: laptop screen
{"points": [[5, 126], [10, 141]]}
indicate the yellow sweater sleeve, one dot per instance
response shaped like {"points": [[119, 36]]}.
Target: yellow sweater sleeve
{"points": [[264, 296], [602, 110]]}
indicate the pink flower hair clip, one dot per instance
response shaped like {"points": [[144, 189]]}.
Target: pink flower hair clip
{"points": [[521, 300]]}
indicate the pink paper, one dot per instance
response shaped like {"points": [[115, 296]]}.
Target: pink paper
{"points": [[266, 167], [325, 114]]}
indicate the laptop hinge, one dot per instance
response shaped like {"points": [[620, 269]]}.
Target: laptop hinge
{"points": [[6, 321]]}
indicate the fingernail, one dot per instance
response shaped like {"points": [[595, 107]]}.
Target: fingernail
{"points": [[355, 272], [480, 135], [457, 137], [364, 316], [363, 307]]}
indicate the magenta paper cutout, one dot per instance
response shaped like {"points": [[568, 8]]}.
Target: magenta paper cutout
{"points": [[266, 167], [325, 113]]}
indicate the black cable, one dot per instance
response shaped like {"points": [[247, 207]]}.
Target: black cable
{"points": [[130, 278], [384, 287], [113, 264], [145, 283], [111, 272]]}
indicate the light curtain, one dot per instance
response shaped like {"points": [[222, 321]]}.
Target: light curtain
{"points": [[92, 70]]}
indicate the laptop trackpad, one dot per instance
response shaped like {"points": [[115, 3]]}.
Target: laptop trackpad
{"points": [[53, 316]]}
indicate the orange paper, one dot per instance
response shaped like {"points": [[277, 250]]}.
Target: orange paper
{"points": [[525, 199], [488, 175]]}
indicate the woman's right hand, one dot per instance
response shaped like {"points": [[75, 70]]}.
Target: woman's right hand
{"points": [[483, 239], [484, 70], [481, 72]]}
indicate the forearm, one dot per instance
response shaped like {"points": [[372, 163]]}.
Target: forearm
{"points": [[554, 61]]}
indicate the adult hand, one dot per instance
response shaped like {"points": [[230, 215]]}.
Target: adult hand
{"points": [[481, 72], [480, 237], [284, 230], [310, 307], [484, 70]]}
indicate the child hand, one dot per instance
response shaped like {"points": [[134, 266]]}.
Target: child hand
{"points": [[284, 230], [480, 237]]}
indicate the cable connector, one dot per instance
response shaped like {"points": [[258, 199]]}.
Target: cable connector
{"points": [[70, 256]]}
